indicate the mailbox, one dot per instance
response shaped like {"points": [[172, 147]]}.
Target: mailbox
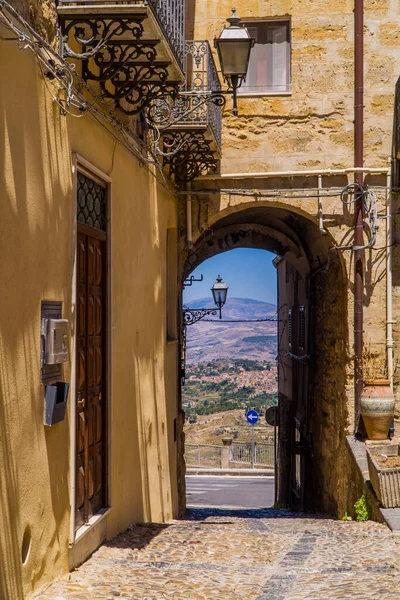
{"points": [[55, 402], [55, 333]]}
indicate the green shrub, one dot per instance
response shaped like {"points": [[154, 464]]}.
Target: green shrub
{"points": [[362, 509]]}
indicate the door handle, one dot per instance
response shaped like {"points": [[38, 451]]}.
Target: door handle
{"points": [[81, 402]]}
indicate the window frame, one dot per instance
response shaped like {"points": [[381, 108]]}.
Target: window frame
{"points": [[255, 21]]}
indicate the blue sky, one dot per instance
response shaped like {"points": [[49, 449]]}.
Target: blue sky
{"points": [[249, 273]]}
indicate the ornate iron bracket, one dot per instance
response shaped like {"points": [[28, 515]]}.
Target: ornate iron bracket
{"points": [[188, 155], [114, 55], [191, 316], [189, 280]]}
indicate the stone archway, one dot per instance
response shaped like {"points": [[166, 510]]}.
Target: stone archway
{"points": [[312, 378]]}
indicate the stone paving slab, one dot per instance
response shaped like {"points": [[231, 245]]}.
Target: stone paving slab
{"points": [[241, 554]]}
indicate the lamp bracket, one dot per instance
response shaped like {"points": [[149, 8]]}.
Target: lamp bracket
{"points": [[188, 154], [114, 55], [191, 316], [189, 280]]}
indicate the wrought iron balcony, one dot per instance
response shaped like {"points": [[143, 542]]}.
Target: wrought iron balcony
{"points": [[132, 50], [195, 117]]}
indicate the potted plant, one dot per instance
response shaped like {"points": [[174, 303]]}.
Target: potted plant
{"points": [[377, 399]]}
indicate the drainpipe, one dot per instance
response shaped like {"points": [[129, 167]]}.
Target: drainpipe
{"points": [[389, 266], [320, 211], [189, 232], [358, 234]]}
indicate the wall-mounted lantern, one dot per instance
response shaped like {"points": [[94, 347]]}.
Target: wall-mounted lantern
{"points": [[233, 46]]}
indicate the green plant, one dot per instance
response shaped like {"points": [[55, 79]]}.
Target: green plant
{"points": [[362, 509], [280, 506], [346, 517]]}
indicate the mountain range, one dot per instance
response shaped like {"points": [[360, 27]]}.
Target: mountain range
{"points": [[211, 338]]}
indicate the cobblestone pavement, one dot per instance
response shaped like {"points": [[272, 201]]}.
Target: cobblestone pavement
{"points": [[229, 554]]}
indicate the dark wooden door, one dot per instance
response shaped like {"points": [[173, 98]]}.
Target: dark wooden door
{"points": [[90, 398]]}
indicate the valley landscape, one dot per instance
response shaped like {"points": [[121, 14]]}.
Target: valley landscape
{"points": [[230, 368]]}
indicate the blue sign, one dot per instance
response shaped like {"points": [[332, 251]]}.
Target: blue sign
{"points": [[252, 417]]}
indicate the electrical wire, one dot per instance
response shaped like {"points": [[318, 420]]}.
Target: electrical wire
{"points": [[357, 192], [241, 320], [54, 68]]}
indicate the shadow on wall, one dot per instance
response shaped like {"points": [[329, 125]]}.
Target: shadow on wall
{"points": [[34, 182], [329, 415], [10, 542]]}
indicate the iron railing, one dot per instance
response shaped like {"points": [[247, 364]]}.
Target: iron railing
{"points": [[263, 453], [203, 455], [208, 455], [190, 109], [170, 16]]}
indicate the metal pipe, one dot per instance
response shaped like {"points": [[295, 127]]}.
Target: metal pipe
{"points": [[189, 232], [320, 213], [308, 173], [358, 233], [389, 276]]}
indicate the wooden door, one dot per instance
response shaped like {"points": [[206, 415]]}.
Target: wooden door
{"points": [[90, 397]]}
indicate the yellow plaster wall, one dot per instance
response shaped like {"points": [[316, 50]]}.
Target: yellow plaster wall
{"points": [[37, 259]]}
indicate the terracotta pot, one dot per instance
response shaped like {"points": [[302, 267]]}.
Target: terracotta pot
{"points": [[377, 407]]}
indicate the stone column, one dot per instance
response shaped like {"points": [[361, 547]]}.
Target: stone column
{"points": [[226, 450]]}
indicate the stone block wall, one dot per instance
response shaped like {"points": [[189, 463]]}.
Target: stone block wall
{"points": [[313, 126]]}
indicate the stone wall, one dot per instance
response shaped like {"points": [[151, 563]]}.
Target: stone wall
{"points": [[40, 14], [312, 128]]}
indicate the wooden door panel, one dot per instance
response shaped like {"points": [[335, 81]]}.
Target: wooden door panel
{"points": [[81, 259], [97, 422], [90, 413], [81, 426], [80, 488], [98, 265], [90, 315], [98, 315], [90, 369], [98, 370], [81, 315]]}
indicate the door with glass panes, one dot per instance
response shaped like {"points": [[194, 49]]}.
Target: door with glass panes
{"points": [[91, 345]]}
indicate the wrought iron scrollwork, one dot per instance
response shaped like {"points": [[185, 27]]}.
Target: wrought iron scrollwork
{"points": [[115, 56], [133, 86], [93, 33], [191, 315], [188, 155], [133, 99]]}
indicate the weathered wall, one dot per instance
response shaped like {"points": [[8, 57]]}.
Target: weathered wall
{"points": [[40, 14], [312, 128], [37, 252]]}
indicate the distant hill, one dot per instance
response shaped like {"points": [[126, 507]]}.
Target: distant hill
{"points": [[210, 340]]}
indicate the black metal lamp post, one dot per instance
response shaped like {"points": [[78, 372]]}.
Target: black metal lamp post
{"points": [[219, 292], [233, 46]]}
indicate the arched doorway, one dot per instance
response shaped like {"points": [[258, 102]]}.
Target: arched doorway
{"points": [[313, 344]]}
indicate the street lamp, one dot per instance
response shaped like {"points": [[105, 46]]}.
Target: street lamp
{"points": [[233, 46], [219, 291]]}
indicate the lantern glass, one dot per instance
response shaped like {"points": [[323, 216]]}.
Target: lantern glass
{"points": [[233, 45], [219, 292], [234, 56]]}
